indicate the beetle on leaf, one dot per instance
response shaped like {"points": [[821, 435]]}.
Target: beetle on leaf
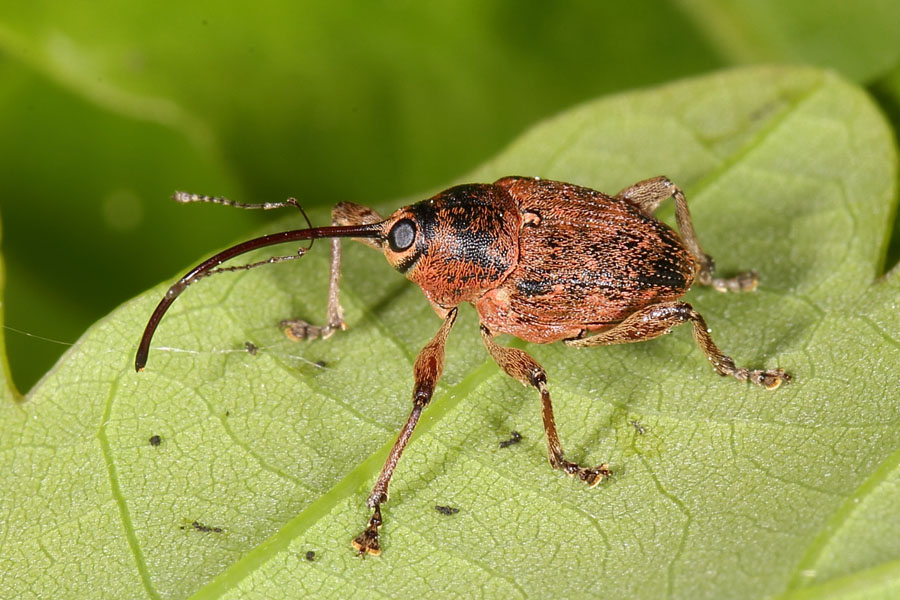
{"points": [[543, 260]]}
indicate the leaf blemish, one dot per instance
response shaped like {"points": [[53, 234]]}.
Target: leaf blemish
{"points": [[202, 527], [514, 438]]}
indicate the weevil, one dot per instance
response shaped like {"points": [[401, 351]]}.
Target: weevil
{"points": [[543, 260]]}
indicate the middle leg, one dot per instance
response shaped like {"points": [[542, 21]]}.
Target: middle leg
{"points": [[519, 365]]}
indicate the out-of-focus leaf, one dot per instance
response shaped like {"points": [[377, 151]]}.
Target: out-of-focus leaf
{"points": [[887, 92], [859, 39], [356, 100], [86, 213]]}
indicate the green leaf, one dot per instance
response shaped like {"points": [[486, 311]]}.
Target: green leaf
{"points": [[731, 491], [857, 39], [887, 92]]}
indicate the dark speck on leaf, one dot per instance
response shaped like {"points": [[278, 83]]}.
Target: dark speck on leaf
{"points": [[198, 526], [514, 438]]}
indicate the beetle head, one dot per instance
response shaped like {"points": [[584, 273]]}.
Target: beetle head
{"points": [[456, 245]]}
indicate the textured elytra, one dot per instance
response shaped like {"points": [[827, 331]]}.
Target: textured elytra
{"points": [[589, 262]]}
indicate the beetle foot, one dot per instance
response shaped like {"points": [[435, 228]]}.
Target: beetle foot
{"points": [[298, 329], [367, 541], [771, 379], [743, 282], [592, 477]]}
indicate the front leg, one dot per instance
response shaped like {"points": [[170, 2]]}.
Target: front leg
{"points": [[519, 365], [298, 329], [428, 369], [345, 213]]}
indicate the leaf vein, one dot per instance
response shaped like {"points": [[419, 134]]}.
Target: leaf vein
{"points": [[116, 491]]}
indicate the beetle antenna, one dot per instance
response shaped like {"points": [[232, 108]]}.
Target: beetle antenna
{"points": [[187, 198], [211, 265]]}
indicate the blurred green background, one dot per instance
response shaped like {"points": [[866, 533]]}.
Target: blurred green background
{"points": [[107, 107]]}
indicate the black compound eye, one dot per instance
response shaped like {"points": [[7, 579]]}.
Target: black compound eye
{"points": [[402, 235]]}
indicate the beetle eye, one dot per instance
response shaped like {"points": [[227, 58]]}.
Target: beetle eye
{"points": [[402, 235]]}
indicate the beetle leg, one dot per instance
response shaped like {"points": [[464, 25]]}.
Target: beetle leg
{"points": [[428, 368], [344, 213], [656, 320], [298, 329], [646, 196], [519, 365]]}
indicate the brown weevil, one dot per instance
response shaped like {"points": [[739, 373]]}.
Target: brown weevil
{"points": [[542, 260]]}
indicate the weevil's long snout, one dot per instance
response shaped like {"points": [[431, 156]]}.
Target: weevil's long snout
{"points": [[364, 231]]}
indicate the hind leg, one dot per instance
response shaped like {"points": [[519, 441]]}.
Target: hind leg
{"points": [[656, 320], [646, 196]]}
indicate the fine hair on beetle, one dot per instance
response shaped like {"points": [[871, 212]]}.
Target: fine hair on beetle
{"points": [[545, 261]]}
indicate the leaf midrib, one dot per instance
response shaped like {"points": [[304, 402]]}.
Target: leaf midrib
{"points": [[347, 486], [839, 517]]}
